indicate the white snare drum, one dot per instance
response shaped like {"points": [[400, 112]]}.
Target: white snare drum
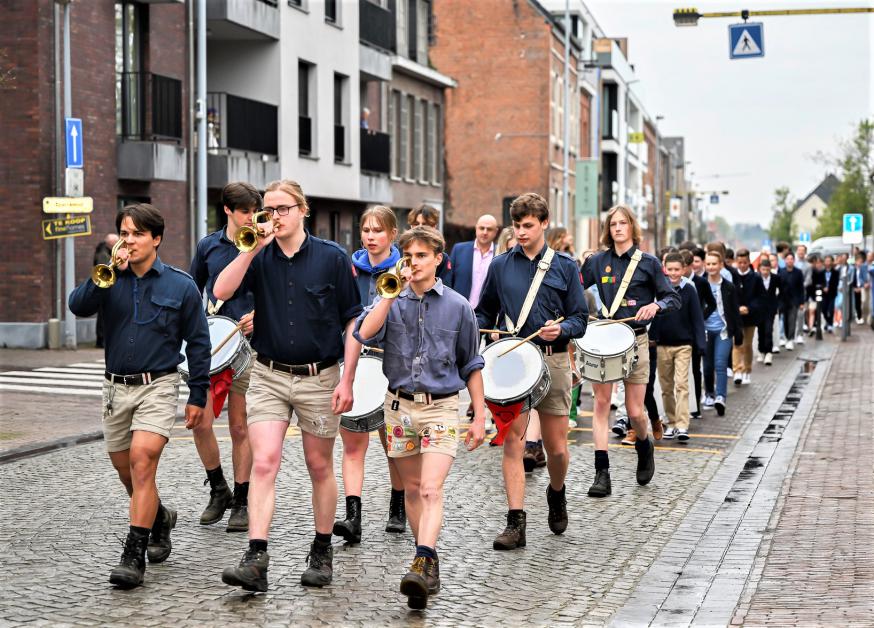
{"points": [[235, 354], [607, 353], [522, 374], [368, 393]]}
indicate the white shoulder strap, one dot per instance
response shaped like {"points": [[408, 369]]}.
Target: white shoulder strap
{"points": [[213, 308], [542, 268], [626, 280]]}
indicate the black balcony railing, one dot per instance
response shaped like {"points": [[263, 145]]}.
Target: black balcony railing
{"points": [[272, 3], [375, 151], [376, 25], [149, 107], [339, 143], [304, 135], [241, 124]]}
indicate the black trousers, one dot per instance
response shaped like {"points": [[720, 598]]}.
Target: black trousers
{"points": [[766, 334], [857, 301], [649, 402]]}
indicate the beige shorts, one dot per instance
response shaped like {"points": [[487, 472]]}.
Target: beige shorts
{"points": [[274, 395], [241, 384], [558, 400], [419, 428], [146, 408], [640, 372]]}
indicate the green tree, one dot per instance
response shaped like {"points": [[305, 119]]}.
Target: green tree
{"points": [[784, 208], [853, 194]]}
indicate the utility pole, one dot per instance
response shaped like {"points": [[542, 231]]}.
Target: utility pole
{"points": [[69, 248], [567, 122], [657, 185], [200, 222]]}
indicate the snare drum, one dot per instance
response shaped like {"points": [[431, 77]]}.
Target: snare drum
{"points": [[521, 375], [368, 393], [607, 353], [235, 354]]}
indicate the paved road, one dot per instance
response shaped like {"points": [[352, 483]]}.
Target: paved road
{"points": [[70, 519]]}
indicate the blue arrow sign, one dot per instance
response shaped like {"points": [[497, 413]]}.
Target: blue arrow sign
{"points": [[852, 222], [714, 199], [746, 40], [74, 143], [804, 236]]}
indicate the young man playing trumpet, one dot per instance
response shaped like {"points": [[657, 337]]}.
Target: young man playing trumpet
{"points": [[148, 310], [431, 343]]}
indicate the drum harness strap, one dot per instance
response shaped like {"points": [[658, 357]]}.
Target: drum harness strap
{"points": [[626, 281], [542, 268], [213, 308]]}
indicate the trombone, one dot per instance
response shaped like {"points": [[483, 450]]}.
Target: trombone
{"points": [[389, 284], [104, 274], [246, 238]]}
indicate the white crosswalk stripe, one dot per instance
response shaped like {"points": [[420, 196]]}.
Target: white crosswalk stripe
{"points": [[83, 379]]}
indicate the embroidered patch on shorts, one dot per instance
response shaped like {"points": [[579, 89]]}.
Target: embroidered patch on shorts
{"points": [[398, 431], [406, 420], [409, 445]]}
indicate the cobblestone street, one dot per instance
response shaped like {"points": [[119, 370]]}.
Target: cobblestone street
{"points": [[71, 518]]}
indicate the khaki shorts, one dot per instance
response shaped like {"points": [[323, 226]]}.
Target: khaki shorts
{"points": [[241, 384], [146, 408], [419, 428], [558, 400], [640, 372], [274, 395]]}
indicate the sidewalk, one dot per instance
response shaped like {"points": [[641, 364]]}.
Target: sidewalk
{"points": [[818, 566]]}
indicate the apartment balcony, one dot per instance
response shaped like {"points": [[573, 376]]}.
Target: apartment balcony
{"points": [[375, 152], [149, 124], [376, 26], [229, 20], [242, 142]]}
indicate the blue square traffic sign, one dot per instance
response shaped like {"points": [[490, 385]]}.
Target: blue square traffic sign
{"points": [[746, 40], [74, 142]]}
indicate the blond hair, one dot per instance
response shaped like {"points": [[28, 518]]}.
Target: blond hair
{"points": [[428, 236], [293, 189], [501, 246], [636, 232], [381, 215]]}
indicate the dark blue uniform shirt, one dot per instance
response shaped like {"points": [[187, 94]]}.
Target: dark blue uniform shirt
{"points": [[648, 284], [303, 302], [213, 254], [561, 294], [146, 319]]}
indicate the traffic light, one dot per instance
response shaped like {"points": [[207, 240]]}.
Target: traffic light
{"points": [[686, 17]]}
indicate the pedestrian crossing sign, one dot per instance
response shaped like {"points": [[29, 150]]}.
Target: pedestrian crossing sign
{"points": [[746, 40]]}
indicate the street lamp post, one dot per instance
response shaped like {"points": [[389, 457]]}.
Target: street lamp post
{"points": [[657, 183]]}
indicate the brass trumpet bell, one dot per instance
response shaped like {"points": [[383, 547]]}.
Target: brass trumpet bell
{"points": [[246, 238], [103, 275], [389, 284]]}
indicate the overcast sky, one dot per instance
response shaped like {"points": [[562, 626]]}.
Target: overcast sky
{"points": [[761, 118]]}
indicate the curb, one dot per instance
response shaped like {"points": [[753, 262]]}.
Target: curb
{"points": [[38, 449]]}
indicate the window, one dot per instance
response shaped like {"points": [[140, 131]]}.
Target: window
{"points": [[415, 139], [395, 133], [430, 148], [401, 26], [438, 144], [331, 14], [129, 99], [306, 76], [341, 111], [423, 11], [813, 213]]}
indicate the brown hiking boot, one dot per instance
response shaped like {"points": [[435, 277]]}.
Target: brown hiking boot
{"points": [[658, 430], [630, 437], [513, 535], [422, 580]]}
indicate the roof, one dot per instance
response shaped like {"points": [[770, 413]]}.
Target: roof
{"points": [[824, 190]]}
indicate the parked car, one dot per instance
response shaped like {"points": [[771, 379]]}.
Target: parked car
{"points": [[832, 245]]}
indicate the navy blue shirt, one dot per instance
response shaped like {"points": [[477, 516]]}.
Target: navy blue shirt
{"points": [[303, 302], [561, 294], [684, 326], [648, 284], [145, 321], [431, 344], [213, 254]]}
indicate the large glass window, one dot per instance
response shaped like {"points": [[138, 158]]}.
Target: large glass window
{"points": [[128, 68]]}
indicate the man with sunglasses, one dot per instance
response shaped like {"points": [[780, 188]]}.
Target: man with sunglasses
{"points": [[305, 299], [214, 252]]}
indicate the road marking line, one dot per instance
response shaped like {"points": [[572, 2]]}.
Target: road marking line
{"points": [[90, 392], [64, 369], [714, 436], [70, 376], [672, 449]]}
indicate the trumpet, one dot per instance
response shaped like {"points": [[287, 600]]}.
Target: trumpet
{"points": [[246, 238], [104, 274], [389, 284]]}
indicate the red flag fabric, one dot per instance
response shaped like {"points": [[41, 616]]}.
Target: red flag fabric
{"points": [[504, 417], [220, 383]]}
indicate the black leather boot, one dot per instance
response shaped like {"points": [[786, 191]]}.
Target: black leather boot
{"points": [[132, 566], [397, 513], [350, 528]]}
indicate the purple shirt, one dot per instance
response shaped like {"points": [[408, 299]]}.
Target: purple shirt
{"points": [[480, 270]]}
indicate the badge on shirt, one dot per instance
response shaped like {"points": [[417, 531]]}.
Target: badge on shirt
{"points": [[607, 270], [606, 279], [631, 302]]}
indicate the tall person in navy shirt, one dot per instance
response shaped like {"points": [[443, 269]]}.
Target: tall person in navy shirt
{"points": [[379, 228], [149, 310], [560, 295], [305, 298], [649, 293], [217, 250]]}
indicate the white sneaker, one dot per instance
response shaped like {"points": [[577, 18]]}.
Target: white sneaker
{"points": [[768, 359], [719, 404], [782, 342], [790, 346], [776, 349], [859, 321], [799, 339], [682, 435], [670, 433], [759, 358], [708, 401], [746, 378], [738, 379], [729, 371]]}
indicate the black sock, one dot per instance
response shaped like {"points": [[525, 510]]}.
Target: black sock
{"points": [[216, 477], [241, 491], [531, 443], [642, 445], [323, 539], [602, 460], [140, 533], [258, 545], [424, 550]]}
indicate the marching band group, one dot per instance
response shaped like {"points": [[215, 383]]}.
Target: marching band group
{"points": [[383, 325]]}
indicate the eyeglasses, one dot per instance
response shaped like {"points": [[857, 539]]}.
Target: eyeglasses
{"points": [[282, 210]]}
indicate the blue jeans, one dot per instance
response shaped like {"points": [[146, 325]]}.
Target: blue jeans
{"points": [[716, 359]]}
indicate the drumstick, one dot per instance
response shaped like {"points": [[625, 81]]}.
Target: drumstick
{"points": [[227, 338], [524, 340], [495, 331], [377, 349], [610, 320]]}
